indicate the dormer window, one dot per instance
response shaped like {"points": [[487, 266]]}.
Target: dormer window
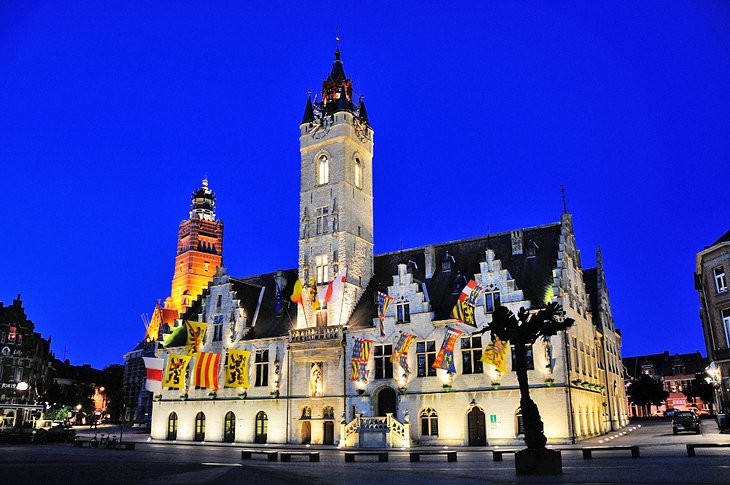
{"points": [[459, 284], [532, 248], [411, 266], [323, 170], [447, 263]]}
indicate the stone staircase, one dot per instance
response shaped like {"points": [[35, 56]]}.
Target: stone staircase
{"points": [[375, 432]]}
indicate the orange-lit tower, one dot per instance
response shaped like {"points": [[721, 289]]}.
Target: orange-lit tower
{"points": [[199, 250]]}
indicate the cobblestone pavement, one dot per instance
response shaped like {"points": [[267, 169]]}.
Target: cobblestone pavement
{"points": [[663, 460]]}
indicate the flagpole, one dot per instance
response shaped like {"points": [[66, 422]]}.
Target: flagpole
{"points": [[342, 297]]}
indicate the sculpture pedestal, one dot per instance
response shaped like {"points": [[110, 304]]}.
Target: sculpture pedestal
{"points": [[538, 462]]}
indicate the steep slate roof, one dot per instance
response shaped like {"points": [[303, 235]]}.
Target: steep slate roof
{"points": [[533, 275], [724, 238], [268, 323], [590, 279], [694, 363]]}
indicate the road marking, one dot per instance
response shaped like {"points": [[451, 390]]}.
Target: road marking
{"points": [[221, 464]]}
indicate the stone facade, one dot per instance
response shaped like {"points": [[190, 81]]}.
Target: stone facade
{"points": [[301, 388], [711, 281]]}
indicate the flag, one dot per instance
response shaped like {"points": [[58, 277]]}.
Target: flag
{"points": [[496, 354], [464, 312], [296, 295], [177, 338], [313, 295], [359, 371], [384, 302], [196, 334], [277, 297], [445, 358], [237, 368], [334, 289], [361, 349], [401, 351], [471, 292], [206, 370], [175, 375], [153, 368]]}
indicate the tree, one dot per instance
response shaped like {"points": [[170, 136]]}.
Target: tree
{"points": [[702, 389], [112, 378], [522, 330], [645, 391]]}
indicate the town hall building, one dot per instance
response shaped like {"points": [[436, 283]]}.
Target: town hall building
{"points": [[310, 380]]}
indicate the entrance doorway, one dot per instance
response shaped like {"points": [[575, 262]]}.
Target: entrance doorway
{"points": [[306, 432], [262, 428], [387, 402], [229, 429], [329, 433], [477, 427]]}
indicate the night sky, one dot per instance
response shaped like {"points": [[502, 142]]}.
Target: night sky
{"points": [[111, 116]]}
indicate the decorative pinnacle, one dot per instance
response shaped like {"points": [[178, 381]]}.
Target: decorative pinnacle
{"points": [[565, 203]]}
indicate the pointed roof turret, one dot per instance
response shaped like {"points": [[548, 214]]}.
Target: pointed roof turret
{"points": [[363, 112], [337, 74], [336, 86], [308, 110]]}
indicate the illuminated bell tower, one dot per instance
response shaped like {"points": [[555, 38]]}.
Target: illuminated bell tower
{"points": [[199, 250], [336, 196]]}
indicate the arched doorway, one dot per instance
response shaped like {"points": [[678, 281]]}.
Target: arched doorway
{"points": [[329, 433], [387, 402], [229, 429], [477, 427], [172, 426], [306, 432], [200, 427], [262, 427]]}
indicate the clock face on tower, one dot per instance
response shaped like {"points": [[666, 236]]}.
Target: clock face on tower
{"points": [[320, 126]]}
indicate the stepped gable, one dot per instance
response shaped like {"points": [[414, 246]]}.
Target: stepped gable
{"points": [[532, 274]]}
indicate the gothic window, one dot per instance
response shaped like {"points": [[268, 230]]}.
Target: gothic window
{"points": [[328, 412], [262, 368], [529, 361], [426, 356], [322, 220], [321, 264], [429, 422], [217, 327], [491, 301], [220, 300], [323, 170], [200, 426], [471, 355], [358, 173], [262, 427], [229, 427], [306, 412], [403, 311], [383, 365], [172, 426], [720, 280]]}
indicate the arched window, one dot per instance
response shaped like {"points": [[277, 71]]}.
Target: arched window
{"points": [[429, 422], [262, 427], [200, 427], [358, 173], [229, 429], [172, 426], [519, 423], [328, 412], [306, 412], [323, 170]]}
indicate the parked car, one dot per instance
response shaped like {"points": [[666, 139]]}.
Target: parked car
{"points": [[698, 411], [685, 421], [669, 412]]}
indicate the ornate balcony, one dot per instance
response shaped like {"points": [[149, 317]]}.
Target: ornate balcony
{"points": [[314, 334]]}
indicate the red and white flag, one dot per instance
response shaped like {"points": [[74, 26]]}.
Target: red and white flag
{"points": [[154, 368], [334, 289]]}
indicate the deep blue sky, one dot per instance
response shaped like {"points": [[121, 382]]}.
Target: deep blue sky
{"points": [[110, 116]]}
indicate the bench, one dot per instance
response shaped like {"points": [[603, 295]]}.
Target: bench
{"points": [[587, 451], [497, 454], [286, 455], [350, 455], [691, 447], [81, 442], [270, 455], [416, 455]]}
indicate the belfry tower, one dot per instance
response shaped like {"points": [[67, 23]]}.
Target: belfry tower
{"points": [[336, 197], [199, 250]]}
